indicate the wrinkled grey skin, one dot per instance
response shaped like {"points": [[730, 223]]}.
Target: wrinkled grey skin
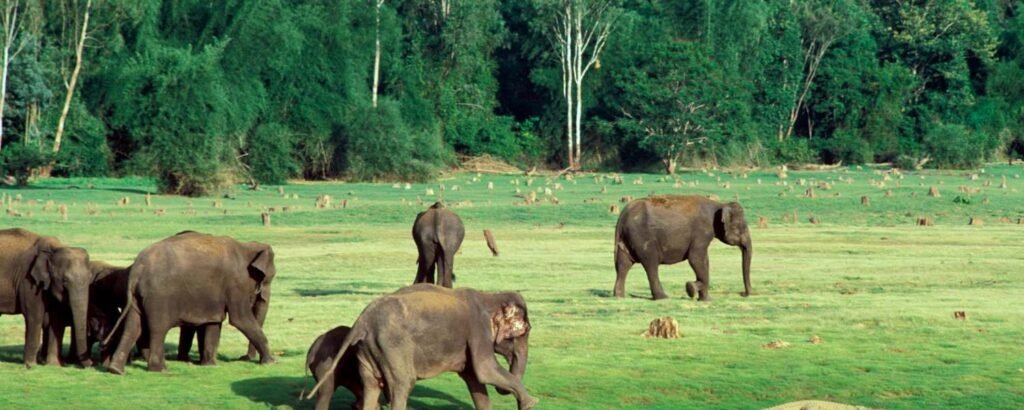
{"points": [[438, 234], [663, 230], [194, 278], [40, 278], [423, 330], [318, 361]]}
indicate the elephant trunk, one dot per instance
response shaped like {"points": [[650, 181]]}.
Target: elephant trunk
{"points": [[517, 361], [747, 248], [79, 301]]}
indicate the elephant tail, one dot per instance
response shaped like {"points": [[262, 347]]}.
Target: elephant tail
{"points": [[357, 334], [129, 301], [310, 358]]}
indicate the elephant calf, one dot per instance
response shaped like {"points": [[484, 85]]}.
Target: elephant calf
{"points": [[423, 330], [438, 234], [318, 361]]}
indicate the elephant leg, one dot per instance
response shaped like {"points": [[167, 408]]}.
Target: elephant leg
{"points": [[323, 396], [488, 371], [245, 322], [657, 292], [188, 332], [623, 263], [425, 263], [699, 263], [143, 344], [259, 309], [371, 388], [447, 266], [476, 389], [52, 341], [132, 331], [157, 335], [209, 340]]}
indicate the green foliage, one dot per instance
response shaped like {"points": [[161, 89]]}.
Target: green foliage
{"points": [[84, 151], [20, 161], [269, 154], [379, 146], [956, 146]]}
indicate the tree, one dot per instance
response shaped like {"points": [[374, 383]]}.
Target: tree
{"points": [[580, 32], [11, 28], [668, 99], [72, 79], [376, 50]]}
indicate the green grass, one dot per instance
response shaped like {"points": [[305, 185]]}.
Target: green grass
{"points": [[877, 289]]}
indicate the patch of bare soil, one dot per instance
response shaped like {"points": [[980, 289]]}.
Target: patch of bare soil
{"points": [[486, 164], [816, 405]]}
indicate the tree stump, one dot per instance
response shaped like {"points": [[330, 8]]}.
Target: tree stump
{"points": [[934, 192], [266, 218], [960, 315], [663, 327], [429, 192], [344, 204], [149, 200], [925, 221], [323, 201], [63, 212], [810, 193], [864, 200], [626, 199], [280, 190], [813, 220], [976, 221], [123, 201], [762, 222], [490, 185], [493, 246], [613, 209], [1005, 220], [1002, 185], [888, 193]]}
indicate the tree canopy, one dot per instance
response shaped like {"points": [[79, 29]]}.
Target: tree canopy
{"points": [[199, 94]]}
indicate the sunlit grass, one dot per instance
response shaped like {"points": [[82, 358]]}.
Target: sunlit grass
{"points": [[878, 290]]}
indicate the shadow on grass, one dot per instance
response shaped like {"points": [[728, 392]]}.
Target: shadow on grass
{"points": [[12, 354], [603, 293], [331, 292], [284, 391]]}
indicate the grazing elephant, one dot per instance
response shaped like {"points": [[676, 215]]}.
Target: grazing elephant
{"points": [[663, 230], [319, 359], [194, 278], [39, 276], [438, 234], [423, 330]]}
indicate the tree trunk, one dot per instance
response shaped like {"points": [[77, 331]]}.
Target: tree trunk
{"points": [[376, 56], [10, 20], [74, 79], [670, 165]]}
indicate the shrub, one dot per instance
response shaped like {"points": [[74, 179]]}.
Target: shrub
{"points": [[955, 146], [269, 154], [379, 146], [20, 160], [847, 145]]}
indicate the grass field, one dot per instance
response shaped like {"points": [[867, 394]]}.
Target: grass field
{"points": [[878, 290]]}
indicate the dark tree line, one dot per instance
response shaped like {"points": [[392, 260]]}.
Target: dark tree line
{"points": [[201, 94]]}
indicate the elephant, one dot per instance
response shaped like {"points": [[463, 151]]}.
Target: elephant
{"points": [[39, 278], [194, 278], [423, 330], [438, 234], [319, 359], [663, 230]]}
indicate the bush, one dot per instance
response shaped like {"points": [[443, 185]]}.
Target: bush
{"points": [[269, 150], [20, 160], [84, 151], [847, 145], [379, 146], [955, 146], [792, 151]]}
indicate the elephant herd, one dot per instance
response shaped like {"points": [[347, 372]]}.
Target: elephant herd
{"points": [[195, 281]]}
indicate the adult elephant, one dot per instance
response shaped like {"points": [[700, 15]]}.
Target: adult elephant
{"points": [[663, 230], [319, 359], [40, 276], [438, 234], [423, 330], [194, 278]]}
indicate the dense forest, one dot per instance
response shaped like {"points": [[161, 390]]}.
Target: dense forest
{"points": [[200, 93]]}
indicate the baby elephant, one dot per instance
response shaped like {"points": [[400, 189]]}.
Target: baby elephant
{"points": [[438, 234], [319, 359]]}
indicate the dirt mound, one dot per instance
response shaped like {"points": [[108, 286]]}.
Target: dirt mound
{"points": [[816, 405], [486, 164]]}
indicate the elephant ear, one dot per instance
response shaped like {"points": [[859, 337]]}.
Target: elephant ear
{"points": [[262, 266], [733, 222], [40, 270], [509, 322]]}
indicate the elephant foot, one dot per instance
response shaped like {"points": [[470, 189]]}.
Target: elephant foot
{"points": [[268, 360], [116, 369], [157, 368], [207, 363], [528, 403], [704, 298], [86, 363], [52, 361], [691, 289], [659, 296]]}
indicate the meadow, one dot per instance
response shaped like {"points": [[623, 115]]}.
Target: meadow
{"points": [[877, 291]]}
